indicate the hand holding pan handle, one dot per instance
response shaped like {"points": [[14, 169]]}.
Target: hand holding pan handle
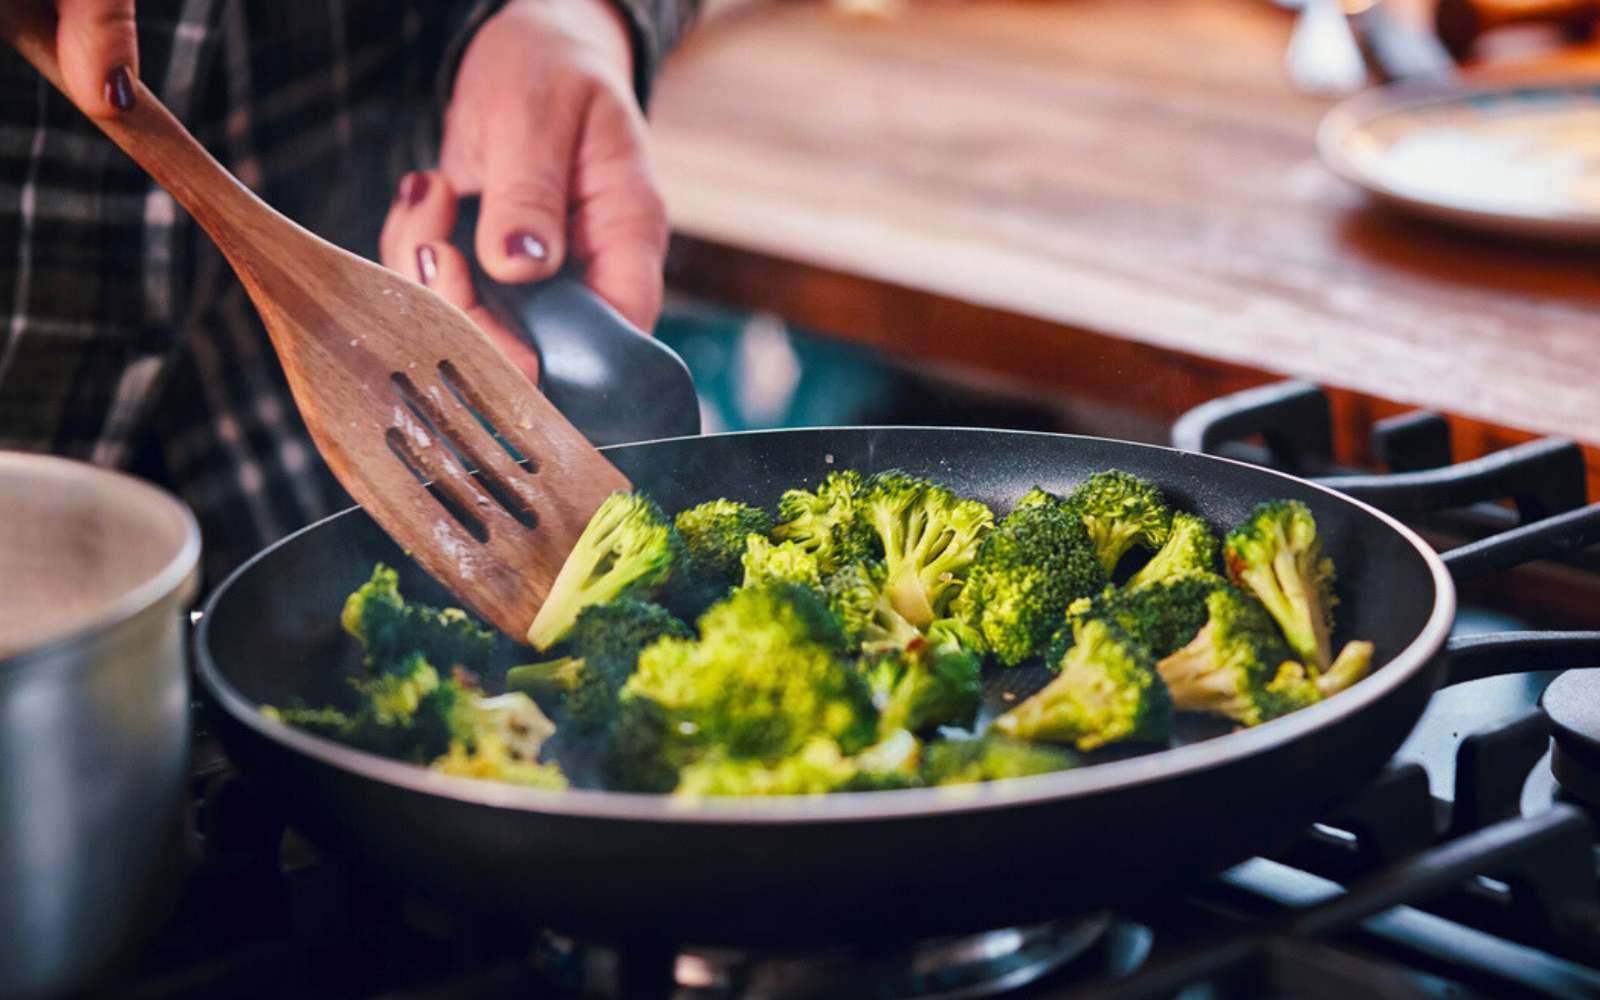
{"points": [[614, 383]]}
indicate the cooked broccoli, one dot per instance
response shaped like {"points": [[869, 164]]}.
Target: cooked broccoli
{"points": [[764, 677], [1121, 510], [1190, 549], [1162, 616], [962, 762], [930, 537], [1276, 555], [1107, 690], [957, 634], [389, 627], [857, 598], [605, 644], [714, 535], [892, 762], [1037, 497], [819, 766], [628, 549], [923, 686], [1035, 562], [490, 761], [642, 751], [784, 562], [828, 522], [1234, 665]]}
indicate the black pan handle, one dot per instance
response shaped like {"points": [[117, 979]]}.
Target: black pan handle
{"points": [[1474, 657], [613, 382]]}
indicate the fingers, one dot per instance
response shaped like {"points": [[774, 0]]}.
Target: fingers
{"points": [[522, 227], [99, 54], [620, 225], [416, 242]]}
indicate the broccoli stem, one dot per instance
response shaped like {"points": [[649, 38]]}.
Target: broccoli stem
{"points": [[556, 676]]}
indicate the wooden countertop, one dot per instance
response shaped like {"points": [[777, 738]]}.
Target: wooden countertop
{"points": [[1119, 197]]}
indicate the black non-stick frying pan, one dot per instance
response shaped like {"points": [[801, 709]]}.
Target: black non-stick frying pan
{"points": [[843, 867]]}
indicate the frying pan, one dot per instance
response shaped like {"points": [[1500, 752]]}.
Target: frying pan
{"points": [[838, 867]]}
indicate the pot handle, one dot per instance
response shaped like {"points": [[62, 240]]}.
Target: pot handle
{"points": [[613, 382], [1474, 657]]}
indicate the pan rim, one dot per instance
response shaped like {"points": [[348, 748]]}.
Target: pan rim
{"points": [[1083, 782]]}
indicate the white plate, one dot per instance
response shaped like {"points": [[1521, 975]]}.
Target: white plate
{"points": [[1520, 160]]}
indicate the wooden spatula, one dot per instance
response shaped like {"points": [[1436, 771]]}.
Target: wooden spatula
{"points": [[397, 386]]}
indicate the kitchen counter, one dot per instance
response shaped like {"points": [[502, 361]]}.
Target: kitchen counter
{"points": [[1118, 199]]}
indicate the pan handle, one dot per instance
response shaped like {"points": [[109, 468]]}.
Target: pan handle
{"points": [[1474, 657]]}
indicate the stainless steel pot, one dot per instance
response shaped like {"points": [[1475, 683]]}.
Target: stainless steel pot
{"points": [[96, 570]]}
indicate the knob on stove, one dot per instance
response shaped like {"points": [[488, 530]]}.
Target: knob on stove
{"points": [[1573, 703]]}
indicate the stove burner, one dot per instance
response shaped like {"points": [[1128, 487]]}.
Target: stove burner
{"points": [[957, 968], [1573, 703]]}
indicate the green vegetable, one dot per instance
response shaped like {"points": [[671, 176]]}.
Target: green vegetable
{"points": [[1276, 554], [924, 686], [1121, 510], [1035, 562], [827, 523], [627, 549], [929, 536], [714, 534], [783, 562], [605, 643], [961, 762], [1161, 616], [764, 677], [1190, 550], [390, 628], [1107, 691], [857, 598]]}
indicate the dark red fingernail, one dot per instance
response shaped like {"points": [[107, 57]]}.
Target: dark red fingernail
{"points": [[525, 245], [119, 88], [413, 188], [427, 263]]}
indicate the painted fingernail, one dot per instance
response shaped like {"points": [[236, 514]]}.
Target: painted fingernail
{"points": [[524, 245], [119, 88], [427, 264], [413, 188]]}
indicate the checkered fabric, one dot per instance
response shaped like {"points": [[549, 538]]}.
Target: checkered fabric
{"points": [[126, 340]]}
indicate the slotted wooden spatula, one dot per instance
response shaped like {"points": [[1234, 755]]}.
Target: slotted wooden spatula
{"points": [[397, 386]]}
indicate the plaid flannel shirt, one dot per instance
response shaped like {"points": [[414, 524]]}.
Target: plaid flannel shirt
{"points": [[127, 340]]}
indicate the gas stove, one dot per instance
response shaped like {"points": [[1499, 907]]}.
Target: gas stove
{"points": [[1467, 868]]}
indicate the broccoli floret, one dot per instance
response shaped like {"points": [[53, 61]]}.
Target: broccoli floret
{"points": [[1107, 690], [957, 634], [390, 628], [1190, 550], [923, 686], [1035, 562], [642, 752], [828, 522], [892, 762], [1276, 554], [784, 562], [489, 760], [764, 677], [714, 535], [930, 537], [857, 598], [1037, 497], [819, 766], [605, 644], [1232, 665], [628, 549], [1121, 510], [1162, 616], [964, 762]]}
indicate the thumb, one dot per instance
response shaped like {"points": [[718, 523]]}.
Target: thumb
{"points": [[99, 54]]}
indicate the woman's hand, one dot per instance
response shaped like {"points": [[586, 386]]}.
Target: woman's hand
{"points": [[98, 52], [544, 123]]}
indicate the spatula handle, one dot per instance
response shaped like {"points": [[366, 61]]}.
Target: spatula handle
{"points": [[156, 140]]}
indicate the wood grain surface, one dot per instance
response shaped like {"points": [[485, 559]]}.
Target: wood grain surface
{"points": [[1114, 197], [395, 384]]}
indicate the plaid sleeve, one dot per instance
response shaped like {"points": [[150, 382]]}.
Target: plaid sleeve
{"points": [[654, 25]]}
